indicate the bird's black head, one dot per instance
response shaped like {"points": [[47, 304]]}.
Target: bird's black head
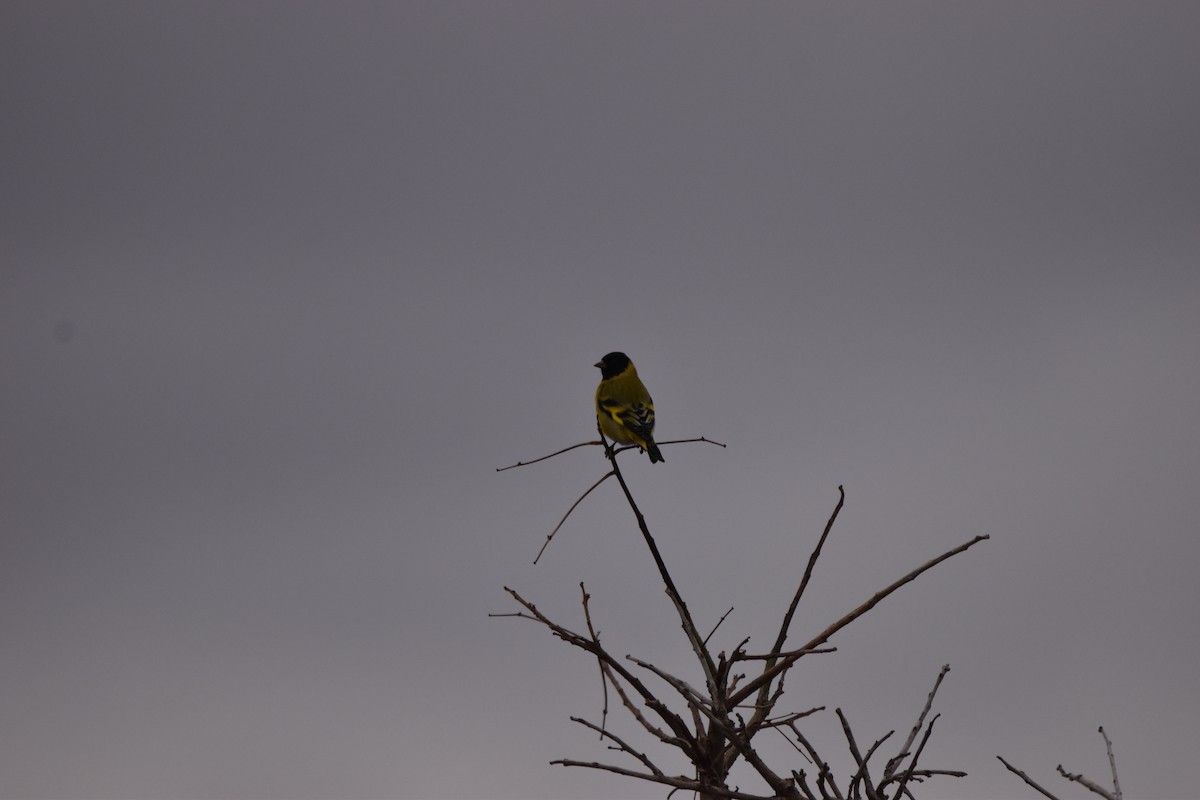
{"points": [[613, 365]]}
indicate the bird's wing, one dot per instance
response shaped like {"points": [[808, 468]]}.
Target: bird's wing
{"points": [[637, 418]]}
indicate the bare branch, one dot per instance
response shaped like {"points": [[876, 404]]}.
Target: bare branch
{"points": [[1082, 781], [679, 782], [587, 616], [622, 744], [824, 775], [686, 690], [1112, 762], [863, 773], [718, 721], [802, 781], [714, 630], [822, 637], [689, 441], [890, 770], [916, 757], [789, 654], [808, 570], [780, 786], [788, 719], [662, 735], [683, 738], [1020, 774], [685, 617], [543, 458], [867, 759], [762, 703], [718, 735], [569, 511], [846, 620], [880, 595]]}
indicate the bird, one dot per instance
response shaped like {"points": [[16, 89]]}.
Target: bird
{"points": [[624, 407]]}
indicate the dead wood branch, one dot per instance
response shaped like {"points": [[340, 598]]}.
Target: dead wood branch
{"points": [[1112, 763], [708, 728], [1021, 774], [769, 674], [1095, 788], [1075, 777], [890, 770]]}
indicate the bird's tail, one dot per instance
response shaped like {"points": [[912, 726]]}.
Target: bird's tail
{"points": [[653, 451]]}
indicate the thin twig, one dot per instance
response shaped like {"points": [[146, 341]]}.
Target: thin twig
{"points": [[791, 744], [621, 743], [685, 617], [543, 458], [1112, 762], [822, 637], [867, 759], [890, 770], [718, 721], [714, 630], [1021, 774], [788, 719], [790, 654], [678, 781], [824, 776], [587, 615], [802, 781], [662, 735], [916, 756], [808, 571], [689, 441], [683, 738], [1082, 781], [862, 773], [546, 543], [780, 786], [689, 693], [787, 618]]}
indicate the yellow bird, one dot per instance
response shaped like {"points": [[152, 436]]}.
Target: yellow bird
{"points": [[624, 407]]}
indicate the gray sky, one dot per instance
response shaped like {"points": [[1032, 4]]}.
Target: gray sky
{"points": [[283, 283]]}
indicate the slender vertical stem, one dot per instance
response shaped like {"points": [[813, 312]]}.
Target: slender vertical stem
{"points": [[685, 616]]}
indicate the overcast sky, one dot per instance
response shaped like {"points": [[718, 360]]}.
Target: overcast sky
{"points": [[281, 285]]}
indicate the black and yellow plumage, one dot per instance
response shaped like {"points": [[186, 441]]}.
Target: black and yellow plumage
{"points": [[624, 407]]}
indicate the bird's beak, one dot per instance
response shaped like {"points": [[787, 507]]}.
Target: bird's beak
{"points": [[599, 365]]}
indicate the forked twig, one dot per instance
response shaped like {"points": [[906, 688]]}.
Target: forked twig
{"points": [[1074, 777]]}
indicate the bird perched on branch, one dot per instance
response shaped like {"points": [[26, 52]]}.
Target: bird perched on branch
{"points": [[624, 407]]}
